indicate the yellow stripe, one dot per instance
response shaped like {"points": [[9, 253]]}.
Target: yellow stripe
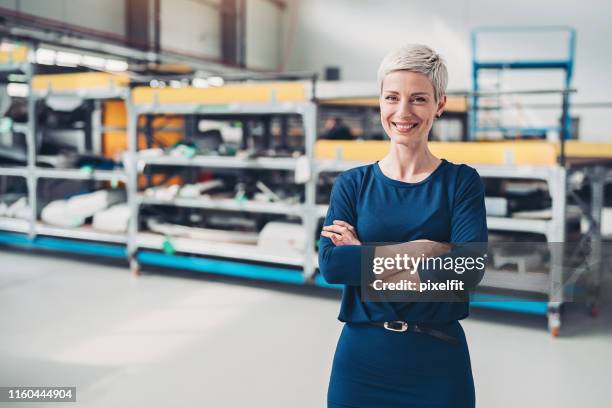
{"points": [[575, 148], [16, 55], [91, 81], [483, 153], [235, 93]]}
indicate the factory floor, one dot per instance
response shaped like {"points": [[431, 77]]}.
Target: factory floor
{"points": [[186, 340]]}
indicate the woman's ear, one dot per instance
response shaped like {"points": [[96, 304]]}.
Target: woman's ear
{"points": [[441, 104]]}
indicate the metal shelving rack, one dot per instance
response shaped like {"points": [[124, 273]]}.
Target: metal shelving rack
{"points": [[91, 85], [18, 61], [566, 65], [240, 99]]}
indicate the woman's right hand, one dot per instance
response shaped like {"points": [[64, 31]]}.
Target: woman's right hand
{"points": [[431, 248], [341, 233]]}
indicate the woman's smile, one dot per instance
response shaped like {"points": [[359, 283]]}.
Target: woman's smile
{"points": [[404, 127]]}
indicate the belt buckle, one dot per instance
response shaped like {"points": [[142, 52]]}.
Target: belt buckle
{"points": [[403, 328]]}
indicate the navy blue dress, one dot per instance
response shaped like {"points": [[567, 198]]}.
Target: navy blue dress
{"points": [[374, 367]]}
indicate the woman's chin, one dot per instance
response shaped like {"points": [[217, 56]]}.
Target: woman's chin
{"points": [[408, 139]]}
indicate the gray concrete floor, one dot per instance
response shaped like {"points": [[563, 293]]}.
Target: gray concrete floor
{"points": [[181, 340]]}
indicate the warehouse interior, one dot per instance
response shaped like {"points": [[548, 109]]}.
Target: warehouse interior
{"points": [[166, 168]]}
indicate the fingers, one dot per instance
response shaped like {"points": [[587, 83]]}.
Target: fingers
{"points": [[340, 227], [345, 224], [335, 238], [341, 233], [331, 235], [337, 229]]}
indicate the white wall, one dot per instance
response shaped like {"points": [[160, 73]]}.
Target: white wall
{"points": [[191, 26], [263, 34], [107, 15], [355, 34]]}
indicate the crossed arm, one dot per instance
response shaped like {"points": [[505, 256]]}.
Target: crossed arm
{"points": [[342, 233], [341, 252]]}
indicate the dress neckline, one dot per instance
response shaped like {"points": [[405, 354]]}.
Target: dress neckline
{"points": [[379, 173]]}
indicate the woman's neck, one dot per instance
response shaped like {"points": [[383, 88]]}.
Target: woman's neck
{"points": [[410, 164]]}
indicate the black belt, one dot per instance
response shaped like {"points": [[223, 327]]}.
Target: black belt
{"points": [[399, 326]]}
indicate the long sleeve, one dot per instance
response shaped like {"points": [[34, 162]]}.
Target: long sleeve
{"points": [[342, 264], [469, 234]]}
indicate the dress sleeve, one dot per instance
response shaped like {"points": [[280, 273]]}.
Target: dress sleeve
{"points": [[342, 264], [469, 234]]}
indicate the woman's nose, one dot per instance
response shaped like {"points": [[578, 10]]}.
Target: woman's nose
{"points": [[405, 109]]}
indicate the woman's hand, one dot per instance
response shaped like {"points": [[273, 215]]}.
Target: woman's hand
{"points": [[432, 249], [414, 249], [341, 233]]}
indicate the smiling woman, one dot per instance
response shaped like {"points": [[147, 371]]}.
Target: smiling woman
{"points": [[394, 354], [408, 106]]}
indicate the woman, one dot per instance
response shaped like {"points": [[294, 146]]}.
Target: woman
{"points": [[402, 354]]}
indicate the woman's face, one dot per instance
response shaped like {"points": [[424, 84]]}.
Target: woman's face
{"points": [[408, 107]]}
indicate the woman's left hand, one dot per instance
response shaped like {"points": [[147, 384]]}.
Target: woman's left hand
{"points": [[341, 233]]}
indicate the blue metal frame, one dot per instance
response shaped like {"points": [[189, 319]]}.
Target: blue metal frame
{"points": [[497, 302], [63, 245], [221, 267], [566, 65]]}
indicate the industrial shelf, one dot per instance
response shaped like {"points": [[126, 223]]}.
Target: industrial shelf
{"points": [[565, 65], [531, 154], [69, 245], [224, 250], [13, 67], [14, 171], [280, 163], [85, 94], [15, 59], [227, 109], [519, 225], [546, 64], [81, 174], [226, 267], [545, 173], [84, 233], [239, 95], [14, 224], [230, 101], [86, 85], [538, 282], [20, 127], [89, 85], [227, 204]]}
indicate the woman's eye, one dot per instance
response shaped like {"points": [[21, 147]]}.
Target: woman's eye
{"points": [[419, 99], [391, 98]]}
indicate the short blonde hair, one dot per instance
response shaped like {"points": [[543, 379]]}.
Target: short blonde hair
{"points": [[416, 58]]}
